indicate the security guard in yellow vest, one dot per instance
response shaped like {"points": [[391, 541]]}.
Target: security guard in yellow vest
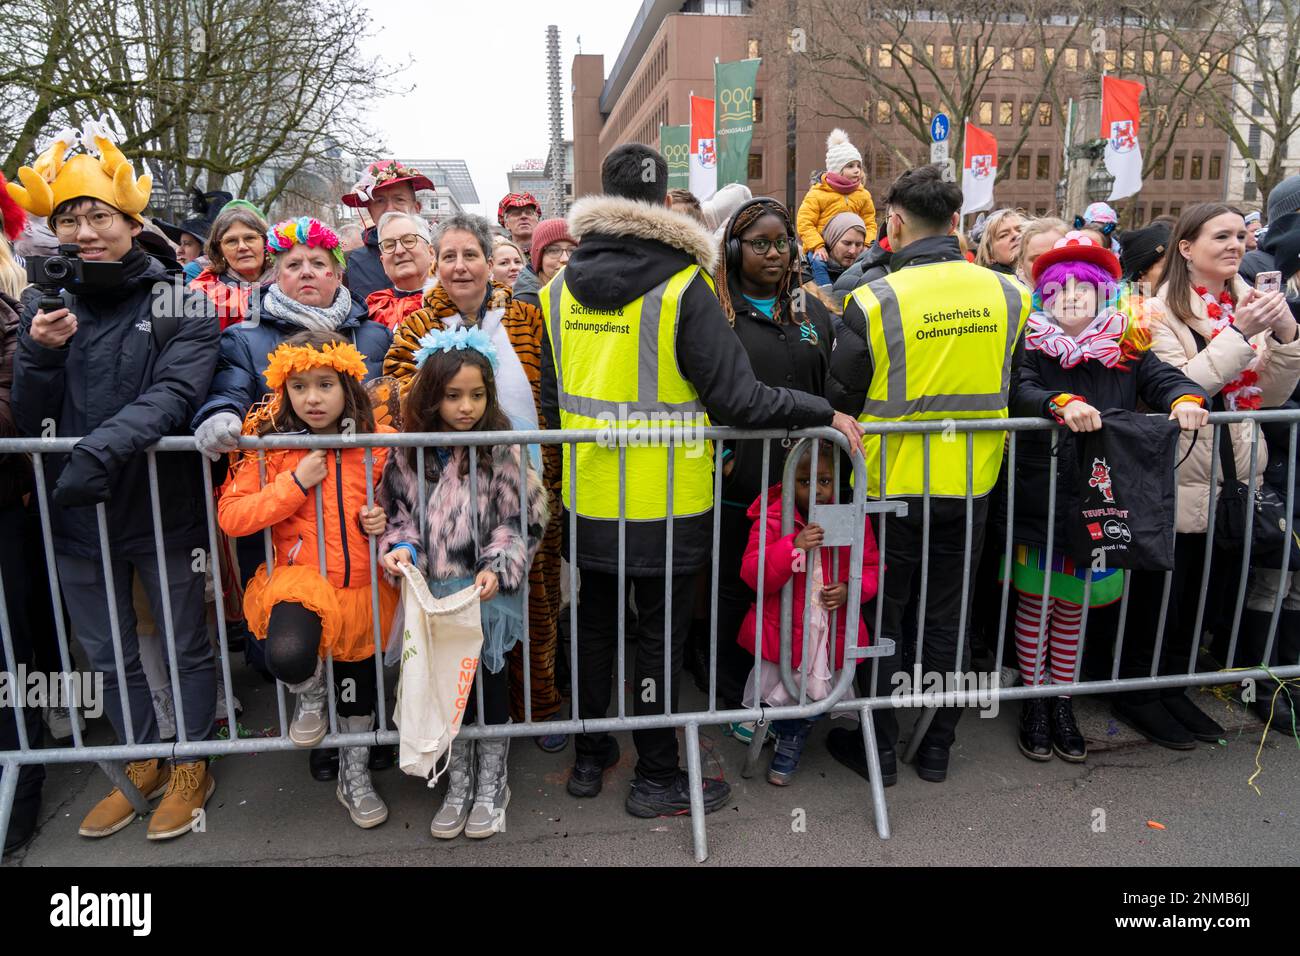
{"points": [[636, 341], [935, 340]]}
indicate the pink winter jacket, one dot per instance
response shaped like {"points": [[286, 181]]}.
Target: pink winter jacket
{"points": [[780, 560]]}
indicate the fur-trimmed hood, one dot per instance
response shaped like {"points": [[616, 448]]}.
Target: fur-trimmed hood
{"points": [[616, 216]]}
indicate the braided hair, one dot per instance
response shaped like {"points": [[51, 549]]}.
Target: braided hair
{"points": [[788, 283]]}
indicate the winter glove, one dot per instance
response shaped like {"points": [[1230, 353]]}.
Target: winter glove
{"points": [[84, 481], [219, 434]]}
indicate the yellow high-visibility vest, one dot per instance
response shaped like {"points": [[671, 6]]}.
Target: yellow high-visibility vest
{"points": [[941, 337], [616, 370]]}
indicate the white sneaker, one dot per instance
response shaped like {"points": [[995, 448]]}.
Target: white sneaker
{"points": [[164, 710], [58, 720], [222, 714]]}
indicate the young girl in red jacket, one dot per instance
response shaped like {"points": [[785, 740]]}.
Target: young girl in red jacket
{"points": [[302, 611], [791, 557]]}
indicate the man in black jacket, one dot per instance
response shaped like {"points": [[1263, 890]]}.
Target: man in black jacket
{"points": [[870, 265], [631, 245], [100, 370], [387, 186]]}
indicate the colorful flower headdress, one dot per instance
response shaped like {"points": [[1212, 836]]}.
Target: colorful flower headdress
{"points": [[288, 360], [450, 340], [303, 231]]}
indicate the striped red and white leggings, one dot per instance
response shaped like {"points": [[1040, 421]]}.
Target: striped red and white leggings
{"points": [[1061, 631]]}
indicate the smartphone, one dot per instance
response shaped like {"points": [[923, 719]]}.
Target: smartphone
{"points": [[1268, 282]]}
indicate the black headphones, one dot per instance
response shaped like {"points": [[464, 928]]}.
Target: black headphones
{"points": [[733, 244], [1105, 229]]}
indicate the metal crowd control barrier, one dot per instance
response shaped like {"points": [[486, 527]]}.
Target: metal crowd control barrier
{"points": [[844, 525]]}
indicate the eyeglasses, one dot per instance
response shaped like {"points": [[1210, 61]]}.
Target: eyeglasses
{"points": [[234, 242], [557, 251], [521, 211], [408, 241], [760, 246], [101, 220]]}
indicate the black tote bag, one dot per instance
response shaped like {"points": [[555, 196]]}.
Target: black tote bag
{"points": [[1121, 498]]}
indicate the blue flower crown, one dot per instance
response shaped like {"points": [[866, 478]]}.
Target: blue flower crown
{"points": [[450, 340]]}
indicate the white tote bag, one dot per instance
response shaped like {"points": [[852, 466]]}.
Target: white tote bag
{"points": [[440, 653]]}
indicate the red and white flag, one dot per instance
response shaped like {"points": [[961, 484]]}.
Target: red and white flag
{"points": [[979, 169], [1119, 128], [704, 149]]}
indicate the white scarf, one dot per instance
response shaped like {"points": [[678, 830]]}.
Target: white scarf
{"points": [[514, 391], [311, 317]]}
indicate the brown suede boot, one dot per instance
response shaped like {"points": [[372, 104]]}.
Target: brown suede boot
{"points": [[115, 811], [190, 787]]}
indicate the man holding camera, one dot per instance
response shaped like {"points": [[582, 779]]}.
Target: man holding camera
{"points": [[105, 354]]}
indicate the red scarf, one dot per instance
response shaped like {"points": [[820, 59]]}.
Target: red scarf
{"points": [[840, 184], [1243, 393]]}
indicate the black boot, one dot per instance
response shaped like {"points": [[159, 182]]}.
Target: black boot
{"points": [[1035, 738], [1196, 721], [846, 747], [1067, 742], [324, 763], [382, 757], [1266, 702], [1152, 721]]}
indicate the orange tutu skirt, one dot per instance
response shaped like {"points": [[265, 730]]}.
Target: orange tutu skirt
{"points": [[347, 618]]}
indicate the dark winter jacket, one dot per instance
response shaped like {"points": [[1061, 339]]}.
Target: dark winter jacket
{"points": [[1148, 381], [365, 272], [1277, 436], [119, 386], [526, 283], [625, 249], [822, 273], [871, 265], [240, 379], [15, 470], [783, 357], [1253, 263]]}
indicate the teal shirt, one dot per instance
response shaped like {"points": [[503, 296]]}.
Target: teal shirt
{"points": [[766, 306]]}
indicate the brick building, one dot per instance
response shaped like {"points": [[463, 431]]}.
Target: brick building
{"points": [[670, 52]]}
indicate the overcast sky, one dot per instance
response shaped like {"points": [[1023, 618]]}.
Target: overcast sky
{"points": [[478, 72]]}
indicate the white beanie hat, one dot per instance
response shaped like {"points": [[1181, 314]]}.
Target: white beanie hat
{"points": [[839, 151], [718, 208]]}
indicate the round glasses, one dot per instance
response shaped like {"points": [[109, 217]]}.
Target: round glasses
{"points": [[408, 241], [101, 220], [760, 246]]}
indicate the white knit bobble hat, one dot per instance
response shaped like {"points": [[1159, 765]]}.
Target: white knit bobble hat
{"points": [[839, 151]]}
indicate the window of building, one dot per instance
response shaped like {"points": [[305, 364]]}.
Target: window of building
{"points": [[1022, 166], [752, 49], [1028, 56], [1149, 60], [1044, 170], [945, 57], [866, 55], [1184, 63], [1166, 61], [1157, 210], [1159, 171], [1175, 210], [1178, 166], [904, 111], [1109, 60], [1044, 114], [1049, 56], [905, 55], [882, 166], [755, 165], [929, 52], [883, 112], [1182, 118], [986, 112], [988, 56], [1026, 112], [1216, 166], [927, 113], [1250, 190], [1041, 211], [886, 58], [1130, 60], [1200, 118], [1008, 58], [1006, 112], [1071, 58], [1196, 170], [757, 109]]}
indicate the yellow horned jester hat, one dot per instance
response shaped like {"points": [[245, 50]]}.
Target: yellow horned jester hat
{"points": [[96, 169]]}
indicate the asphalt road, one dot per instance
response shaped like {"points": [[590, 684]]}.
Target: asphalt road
{"points": [[996, 808]]}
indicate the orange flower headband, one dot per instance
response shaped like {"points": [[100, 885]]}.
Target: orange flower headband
{"points": [[288, 360]]}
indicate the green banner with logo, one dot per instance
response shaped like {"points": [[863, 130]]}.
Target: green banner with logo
{"points": [[675, 144], [734, 118]]}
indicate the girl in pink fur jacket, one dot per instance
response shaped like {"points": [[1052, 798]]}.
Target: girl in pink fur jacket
{"points": [[789, 557]]}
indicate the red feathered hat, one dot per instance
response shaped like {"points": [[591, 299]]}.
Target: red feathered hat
{"points": [[12, 215], [1074, 247]]}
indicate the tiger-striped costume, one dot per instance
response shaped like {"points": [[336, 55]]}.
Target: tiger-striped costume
{"points": [[523, 325]]}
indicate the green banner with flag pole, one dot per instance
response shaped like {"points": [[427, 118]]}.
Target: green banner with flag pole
{"points": [[675, 145], [734, 118]]}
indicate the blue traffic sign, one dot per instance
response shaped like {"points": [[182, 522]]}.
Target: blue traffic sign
{"points": [[939, 127]]}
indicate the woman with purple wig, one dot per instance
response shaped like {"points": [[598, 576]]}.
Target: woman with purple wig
{"points": [[1084, 351]]}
